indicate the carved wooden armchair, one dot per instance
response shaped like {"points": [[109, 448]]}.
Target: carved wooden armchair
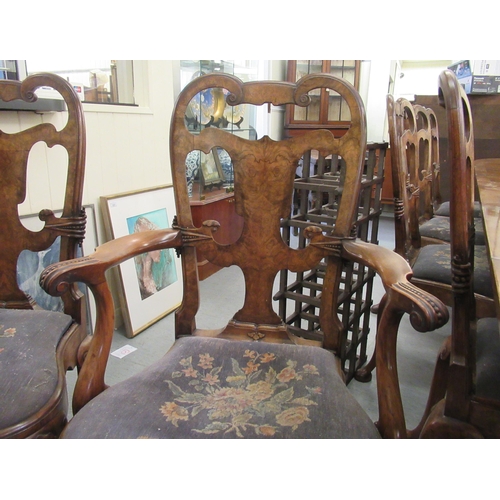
{"points": [[430, 262], [440, 207], [249, 378], [420, 237], [37, 345], [415, 153], [467, 377]]}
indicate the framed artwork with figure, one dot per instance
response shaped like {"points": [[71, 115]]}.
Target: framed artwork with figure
{"points": [[150, 284]]}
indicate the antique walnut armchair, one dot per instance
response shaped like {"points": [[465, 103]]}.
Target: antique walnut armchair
{"points": [[249, 378], [415, 151], [467, 376], [38, 345], [429, 179], [428, 257], [420, 237], [440, 207]]}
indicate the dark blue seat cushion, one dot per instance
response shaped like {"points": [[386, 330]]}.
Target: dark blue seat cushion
{"points": [[439, 228], [28, 366], [488, 359], [434, 263], [444, 209], [214, 388]]}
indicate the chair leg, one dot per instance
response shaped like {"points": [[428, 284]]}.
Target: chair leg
{"points": [[439, 426], [364, 374], [438, 385]]}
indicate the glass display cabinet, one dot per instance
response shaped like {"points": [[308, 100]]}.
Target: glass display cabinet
{"points": [[328, 109], [210, 176]]}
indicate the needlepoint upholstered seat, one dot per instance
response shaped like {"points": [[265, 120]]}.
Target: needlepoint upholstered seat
{"points": [[250, 378]]}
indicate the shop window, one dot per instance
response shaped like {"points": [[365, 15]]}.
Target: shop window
{"points": [[96, 81]]}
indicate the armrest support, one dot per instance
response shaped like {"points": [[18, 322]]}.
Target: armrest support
{"points": [[426, 313], [91, 270]]}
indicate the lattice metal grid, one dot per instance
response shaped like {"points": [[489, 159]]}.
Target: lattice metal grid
{"points": [[318, 190]]}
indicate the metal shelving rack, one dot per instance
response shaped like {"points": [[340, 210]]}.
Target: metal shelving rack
{"points": [[318, 190]]}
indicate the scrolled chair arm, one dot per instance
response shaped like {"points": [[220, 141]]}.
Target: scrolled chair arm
{"points": [[426, 313], [56, 279]]}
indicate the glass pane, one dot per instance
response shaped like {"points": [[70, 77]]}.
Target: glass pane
{"points": [[9, 70], [338, 110], [100, 81], [306, 67], [311, 112], [345, 69]]}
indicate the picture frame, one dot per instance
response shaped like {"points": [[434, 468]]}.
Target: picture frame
{"points": [[31, 264], [211, 170], [151, 283]]}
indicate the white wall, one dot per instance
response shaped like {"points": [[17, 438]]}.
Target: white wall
{"points": [[401, 78], [419, 78], [374, 85]]}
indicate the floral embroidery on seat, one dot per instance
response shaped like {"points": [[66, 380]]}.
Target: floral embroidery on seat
{"points": [[8, 332], [443, 259], [253, 391]]}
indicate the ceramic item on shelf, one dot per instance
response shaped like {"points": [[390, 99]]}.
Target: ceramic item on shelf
{"points": [[227, 166], [192, 167]]}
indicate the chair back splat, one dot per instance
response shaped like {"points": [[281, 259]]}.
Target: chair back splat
{"points": [[40, 337], [264, 173]]}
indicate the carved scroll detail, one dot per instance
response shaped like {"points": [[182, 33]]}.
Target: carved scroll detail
{"points": [[427, 176], [333, 247], [192, 236], [330, 244], [422, 304], [63, 286], [412, 190], [73, 227]]}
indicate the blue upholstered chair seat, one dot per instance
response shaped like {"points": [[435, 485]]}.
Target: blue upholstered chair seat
{"points": [[28, 342], [488, 359], [215, 388], [439, 228], [444, 209], [434, 263]]}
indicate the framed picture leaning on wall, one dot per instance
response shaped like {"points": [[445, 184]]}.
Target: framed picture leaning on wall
{"points": [[151, 284]]}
